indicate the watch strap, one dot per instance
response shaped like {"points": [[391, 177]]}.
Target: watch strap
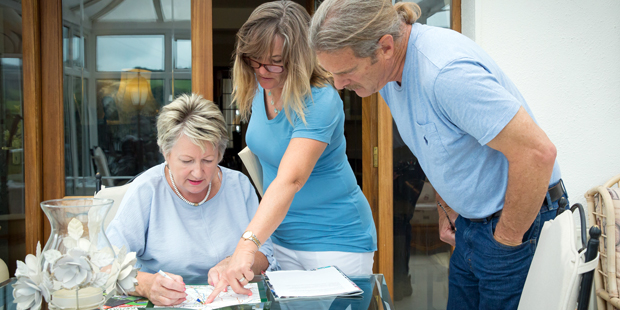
{"points": [[252, 238]]}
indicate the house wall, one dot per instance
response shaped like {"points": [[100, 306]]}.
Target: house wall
{"points": [[564, 56]]}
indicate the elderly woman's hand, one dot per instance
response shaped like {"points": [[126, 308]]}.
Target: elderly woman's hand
{"points": [[160, 290], [238, 272]]}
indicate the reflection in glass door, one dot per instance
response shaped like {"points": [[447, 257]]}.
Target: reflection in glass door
{"points": [[421, 259], [123, 61], [12, 226]]}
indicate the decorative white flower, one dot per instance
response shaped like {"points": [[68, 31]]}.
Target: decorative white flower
{"points": [[75, 229], [32, 267], [100, 279], [32, 284], [28, 295], [103, 257], [73, 270], [123, 272], [69, 243]]}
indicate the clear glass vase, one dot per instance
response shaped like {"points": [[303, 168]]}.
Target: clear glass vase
{"points": [[78, 256]]}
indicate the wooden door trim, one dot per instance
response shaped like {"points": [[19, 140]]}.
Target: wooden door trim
{"points": [[43, 113], [52, 105], [33, 133], [202, 48], [370, 174], [455, 15], [385, 240], [377, 180]]}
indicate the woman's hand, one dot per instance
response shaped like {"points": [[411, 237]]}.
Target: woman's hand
{"points": [[215, 273], [160, 290], [238, 271]]}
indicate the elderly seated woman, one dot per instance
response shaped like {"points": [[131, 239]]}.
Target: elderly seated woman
{"points": [[185, 216]]}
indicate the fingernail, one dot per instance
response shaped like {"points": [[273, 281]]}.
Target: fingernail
{"points": [[250, 294]]}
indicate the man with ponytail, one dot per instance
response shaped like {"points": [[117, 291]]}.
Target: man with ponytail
{"points": [[470, 128]]}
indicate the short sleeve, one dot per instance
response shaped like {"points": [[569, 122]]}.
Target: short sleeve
{"points": [[474, 100], [251, 203], [322, 115], [129, 226]]}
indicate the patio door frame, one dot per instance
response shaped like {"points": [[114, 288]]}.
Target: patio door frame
{"points": [[44, 156]]}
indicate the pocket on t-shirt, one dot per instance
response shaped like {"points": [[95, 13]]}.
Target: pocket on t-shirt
{"points": [[435, 149]]}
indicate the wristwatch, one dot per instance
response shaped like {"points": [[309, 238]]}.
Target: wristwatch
{"points": [[248, 235]]}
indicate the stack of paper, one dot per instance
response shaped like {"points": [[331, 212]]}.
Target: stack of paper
{"points": [[326, 281]]}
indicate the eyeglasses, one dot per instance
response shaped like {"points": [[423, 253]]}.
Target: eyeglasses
{"points": [[269, 67]]}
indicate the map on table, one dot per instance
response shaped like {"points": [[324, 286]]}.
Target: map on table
{"points": [[224, 299]]}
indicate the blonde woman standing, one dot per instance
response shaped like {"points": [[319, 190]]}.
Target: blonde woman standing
{"points": [[312, 208]]}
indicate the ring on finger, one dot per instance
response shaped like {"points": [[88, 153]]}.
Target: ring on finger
{"points": [[242, 279]]}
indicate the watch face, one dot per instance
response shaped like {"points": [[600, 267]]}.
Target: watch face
{"points": [[247, 234]]}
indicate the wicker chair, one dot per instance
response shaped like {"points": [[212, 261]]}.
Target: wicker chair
{"points": [[602, 213]]}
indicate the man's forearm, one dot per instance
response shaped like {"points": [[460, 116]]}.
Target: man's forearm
{"points": [[526, 190], [531, 156]]}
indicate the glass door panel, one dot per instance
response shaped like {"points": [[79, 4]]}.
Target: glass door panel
{"points": [[421, 260], [12, 216], [113, 49]]}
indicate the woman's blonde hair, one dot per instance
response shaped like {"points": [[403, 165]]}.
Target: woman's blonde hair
{"points": [[255, 39], [197, 118], [359, 24]]}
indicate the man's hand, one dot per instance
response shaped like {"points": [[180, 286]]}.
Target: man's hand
{"points": [[446, 231], [506, 241]]}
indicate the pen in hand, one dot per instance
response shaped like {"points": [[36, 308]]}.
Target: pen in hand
{"points": [[446, 212], [163, 274]]}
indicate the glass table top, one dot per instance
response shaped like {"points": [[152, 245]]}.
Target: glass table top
{"points": [[376, 296]]}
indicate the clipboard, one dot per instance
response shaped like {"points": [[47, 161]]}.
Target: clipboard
{"points": [[350, 289]]}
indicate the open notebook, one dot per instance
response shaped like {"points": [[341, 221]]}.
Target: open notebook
{"points": [[320, 282], [254, 167]]}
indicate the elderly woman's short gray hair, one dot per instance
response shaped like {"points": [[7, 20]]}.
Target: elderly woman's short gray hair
{"points": [[198, 118]]}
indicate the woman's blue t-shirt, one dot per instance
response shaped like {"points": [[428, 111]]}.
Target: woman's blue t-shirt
{"points": [[330, 212]]}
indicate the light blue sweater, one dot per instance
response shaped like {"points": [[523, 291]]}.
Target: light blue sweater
{"points": [[169, 234]]}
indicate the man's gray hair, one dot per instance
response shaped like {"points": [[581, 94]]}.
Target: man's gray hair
{"points": [[197, 118], [359, 24]]}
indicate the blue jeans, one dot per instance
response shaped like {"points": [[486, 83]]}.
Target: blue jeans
{"points": [[485, 274]]}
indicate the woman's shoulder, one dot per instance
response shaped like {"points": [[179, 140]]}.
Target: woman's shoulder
{"points": [[325, 101], [150, 181], [235, 178], [153, 175], [325, 90]]}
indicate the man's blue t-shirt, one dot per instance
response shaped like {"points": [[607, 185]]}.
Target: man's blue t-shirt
{"points": [[330, 212], [452, 101]]}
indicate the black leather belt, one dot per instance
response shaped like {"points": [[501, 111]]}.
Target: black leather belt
{"points": [[488, 218], [556, 192]]}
